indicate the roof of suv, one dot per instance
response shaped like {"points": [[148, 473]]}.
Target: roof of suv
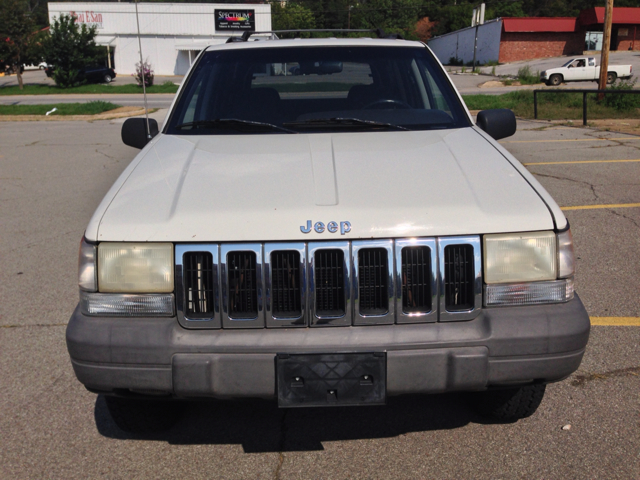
{"points": [[318, 42]]}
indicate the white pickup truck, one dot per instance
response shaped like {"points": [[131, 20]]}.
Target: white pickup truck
{"points": [[583, 69]]}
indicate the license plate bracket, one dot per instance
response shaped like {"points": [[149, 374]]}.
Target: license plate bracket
{"points": [[336, 379]]}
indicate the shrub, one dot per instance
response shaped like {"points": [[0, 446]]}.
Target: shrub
{"points": [[455, 61], [621, 101], [527, 77], [144, 73]]}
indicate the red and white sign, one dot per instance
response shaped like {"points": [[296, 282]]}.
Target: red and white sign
{"points": [[90, 19]]}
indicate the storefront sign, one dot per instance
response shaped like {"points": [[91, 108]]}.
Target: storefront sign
{"points": [[90, 19], [238, 20]]}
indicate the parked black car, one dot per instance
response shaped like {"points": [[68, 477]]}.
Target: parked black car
{"points": [[92, 74]]}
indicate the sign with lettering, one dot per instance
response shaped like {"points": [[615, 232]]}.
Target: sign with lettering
{"points": [[236, 20], [90, 19]]}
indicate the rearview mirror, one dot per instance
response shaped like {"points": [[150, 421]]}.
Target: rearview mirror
{"points": [[499, 123], [134, 131]]}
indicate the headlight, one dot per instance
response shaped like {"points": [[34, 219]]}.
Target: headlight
{"points": [[520, 257], [528, 268], [135, 267]]}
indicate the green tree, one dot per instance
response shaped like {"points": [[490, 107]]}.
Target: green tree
{"points": [[69, 48], [18, 41], [291, 16], [392, 16]]}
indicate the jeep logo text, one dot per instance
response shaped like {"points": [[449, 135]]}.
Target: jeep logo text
{"points": [[332, 227]]}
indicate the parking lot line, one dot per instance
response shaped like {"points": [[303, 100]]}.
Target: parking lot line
{"points": [[582, 161], [613, 205], [602, 139], [616, 321]]}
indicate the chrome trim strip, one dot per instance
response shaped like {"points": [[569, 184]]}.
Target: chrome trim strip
{"points": [[359, 318], [180, 250], [227, 320], [346, 319], [432, 315], [272, 320], [474, 241]]}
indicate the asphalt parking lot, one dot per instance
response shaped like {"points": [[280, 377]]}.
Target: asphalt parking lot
{"points": [[54, 174]]}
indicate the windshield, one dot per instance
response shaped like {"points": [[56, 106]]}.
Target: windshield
{"points": [[315, 89]]}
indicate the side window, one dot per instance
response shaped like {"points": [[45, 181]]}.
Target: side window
{"points": [[592, 62]]}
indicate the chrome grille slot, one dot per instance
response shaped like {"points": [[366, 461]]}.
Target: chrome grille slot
{"points": [[285, 284], [416, 280], [329, 283], [199, 286], [242, 281], [372, 281], [459, 277]]}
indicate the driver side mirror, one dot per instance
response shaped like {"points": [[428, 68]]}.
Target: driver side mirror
{"points": [[134, 131], [499, 123]]}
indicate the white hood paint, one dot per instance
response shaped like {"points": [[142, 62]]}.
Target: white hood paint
{"points": [[265, 187]]}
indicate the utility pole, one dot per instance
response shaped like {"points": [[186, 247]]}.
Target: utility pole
{"points": [[606, 43], [477, 20]]}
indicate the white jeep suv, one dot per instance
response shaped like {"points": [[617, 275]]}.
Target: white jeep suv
{"points": [[320, 222]]}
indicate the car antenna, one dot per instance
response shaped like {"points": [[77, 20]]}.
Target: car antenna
{"points": [[144, 83]]}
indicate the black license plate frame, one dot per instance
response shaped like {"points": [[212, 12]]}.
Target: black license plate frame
{"points": [[331, 379]]}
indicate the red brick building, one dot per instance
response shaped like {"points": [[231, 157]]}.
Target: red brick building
{"points": [[539, 37]]}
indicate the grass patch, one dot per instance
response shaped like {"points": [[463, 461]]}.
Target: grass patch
{"points": [[167, 87], [89, 108], [526, 76], [552, 106]]}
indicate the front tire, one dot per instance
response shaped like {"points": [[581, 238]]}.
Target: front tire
{"points": [[555, 80], [509, 404], [611, 77], [143, 416]]}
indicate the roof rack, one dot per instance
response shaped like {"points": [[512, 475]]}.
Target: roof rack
{"points": [[274, 33]]}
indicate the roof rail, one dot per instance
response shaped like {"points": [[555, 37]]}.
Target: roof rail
{"points": [[378, 31]]}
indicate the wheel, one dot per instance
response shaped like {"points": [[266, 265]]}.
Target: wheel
{"points": [[555, 80], [611, 77], [387, 101], [107, 78], [143, 416], [508, 404]]}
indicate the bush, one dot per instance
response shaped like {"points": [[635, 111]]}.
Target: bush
{"points": [[455, 61], [144, 73], [621, 101], [69, 47], [527, 77]]}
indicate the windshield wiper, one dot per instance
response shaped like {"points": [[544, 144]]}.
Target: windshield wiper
{"points": [[341, 121], [233, 123]]}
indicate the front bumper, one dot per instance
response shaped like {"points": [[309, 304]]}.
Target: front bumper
{"points": [[502, 346]]}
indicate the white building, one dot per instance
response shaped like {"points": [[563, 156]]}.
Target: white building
{"points": [[172, 34]]}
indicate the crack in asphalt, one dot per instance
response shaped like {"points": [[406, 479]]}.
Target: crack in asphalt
{"points": [[590, 185], [624, 216], [582, 380]]}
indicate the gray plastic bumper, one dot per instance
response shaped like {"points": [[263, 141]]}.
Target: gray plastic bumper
{"points": [[501, 346]]}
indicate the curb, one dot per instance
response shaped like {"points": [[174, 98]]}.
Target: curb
{"points": [[68, 118]]}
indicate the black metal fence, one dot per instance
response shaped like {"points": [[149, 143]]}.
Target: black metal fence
{"points": [[584, 98]]}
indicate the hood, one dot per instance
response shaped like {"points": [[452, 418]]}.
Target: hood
{"points": [[266, 187]]}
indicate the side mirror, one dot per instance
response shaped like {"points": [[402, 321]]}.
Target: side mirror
{"points": [[499, 123], [134, 131]]}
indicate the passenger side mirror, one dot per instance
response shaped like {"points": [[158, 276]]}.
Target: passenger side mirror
{"points": [[134, 131], [499, 123]]}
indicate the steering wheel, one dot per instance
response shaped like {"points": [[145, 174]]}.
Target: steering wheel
{"points": [[387, 101]]}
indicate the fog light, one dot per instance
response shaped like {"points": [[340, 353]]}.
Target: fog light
{"points": [[126, 304], [556, 291]]}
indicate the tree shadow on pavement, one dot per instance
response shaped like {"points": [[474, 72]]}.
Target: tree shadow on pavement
{"points": [[260, 426]]}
